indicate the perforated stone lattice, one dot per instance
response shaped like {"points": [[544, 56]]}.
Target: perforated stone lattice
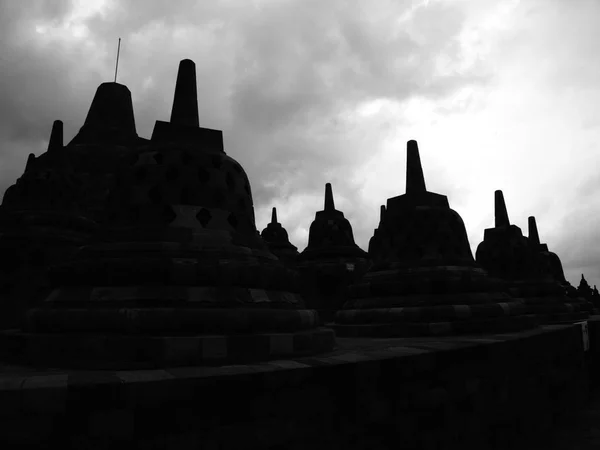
{"points": [[422, 233], [43, 189], [510, 258], [182, 177], [332, 233]]}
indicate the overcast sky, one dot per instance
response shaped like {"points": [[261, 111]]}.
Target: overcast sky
{"points": [[500, 94]]}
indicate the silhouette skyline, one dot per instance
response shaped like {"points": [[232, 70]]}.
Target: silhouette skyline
{"points": [[487, 128]]}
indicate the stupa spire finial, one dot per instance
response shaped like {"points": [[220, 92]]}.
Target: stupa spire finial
{"points": [[30, 162], [534, 237], [500, 212], [56, 136], [381, 213], [415, 181], [274, 215], [329, 205], [185, 103]]}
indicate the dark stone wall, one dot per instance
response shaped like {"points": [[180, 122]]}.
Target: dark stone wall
{"points": [[487, 396], [593, 355]]}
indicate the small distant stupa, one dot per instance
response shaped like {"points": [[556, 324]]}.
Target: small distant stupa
{"points": [[551, 262], [331, 261], [278, 241], [595, 298], [584, 289]]}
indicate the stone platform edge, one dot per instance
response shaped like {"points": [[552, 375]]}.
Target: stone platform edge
{"points": [[24, 389]]}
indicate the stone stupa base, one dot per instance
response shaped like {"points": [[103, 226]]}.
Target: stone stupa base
{"points": [[546, 300], [122, 306], [425, 301], [325, 282], [434, 320], [119, 336], [555, 319], [127, 352], [553, 311], [415, 329]]}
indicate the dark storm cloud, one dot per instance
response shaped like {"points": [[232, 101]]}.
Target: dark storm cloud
{"points": [[25, 67], [34, 83], [280, 78]]}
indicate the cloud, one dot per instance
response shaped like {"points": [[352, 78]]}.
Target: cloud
{"points": [[281, 81]]}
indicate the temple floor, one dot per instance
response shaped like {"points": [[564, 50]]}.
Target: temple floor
{"points": [[365, 394], [581, 431]]}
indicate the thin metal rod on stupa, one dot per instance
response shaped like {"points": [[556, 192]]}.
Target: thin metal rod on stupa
{"points": [[117, 64], [415, 181], [274, 215], [534, 237], [329, 205], [185, 103], [500, 212]]}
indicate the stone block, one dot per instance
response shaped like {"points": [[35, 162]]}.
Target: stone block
{"points": [[12, 395], [45, 394], [113, 423], [98, 389]]}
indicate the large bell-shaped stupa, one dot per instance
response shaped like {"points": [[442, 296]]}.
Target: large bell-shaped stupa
{"points": [[179, 274]]}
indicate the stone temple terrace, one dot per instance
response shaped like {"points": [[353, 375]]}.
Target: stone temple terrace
{"points": [[142, 308]]}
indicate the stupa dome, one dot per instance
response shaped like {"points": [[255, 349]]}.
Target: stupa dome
{"points": [[330, 234], [419, 229]]}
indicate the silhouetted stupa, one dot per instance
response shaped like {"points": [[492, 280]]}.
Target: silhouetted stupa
{"points": [[424, 279], [278, 241], [583, 294], [179, 274], [110, 119], [552, 266], [55, 206], [551, 261], [376, 232], [595, 298], [41, 223], [584, 289], [331, 261], [528, 268]]}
